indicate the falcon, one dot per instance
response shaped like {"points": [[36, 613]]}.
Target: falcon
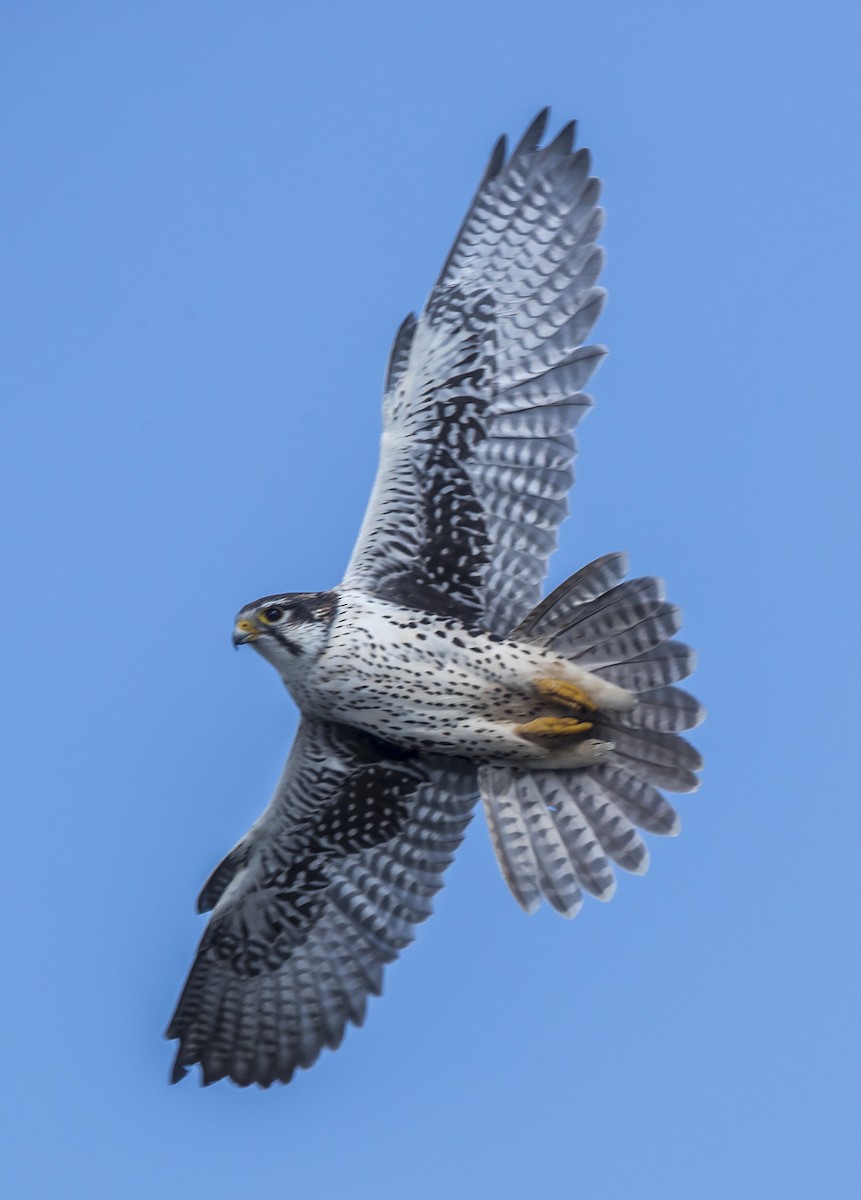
{"points": [[433, 673]]}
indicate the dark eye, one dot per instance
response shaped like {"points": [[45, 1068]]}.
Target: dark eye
{"points": [[272, 614]]}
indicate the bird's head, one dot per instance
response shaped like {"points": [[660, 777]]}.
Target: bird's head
{"points": [[289, 629]]}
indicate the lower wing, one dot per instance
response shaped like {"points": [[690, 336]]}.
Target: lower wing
{"points": [[324, 889]]}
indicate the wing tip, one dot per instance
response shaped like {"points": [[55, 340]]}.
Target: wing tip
{"points": [[399, 352], [178, 1071], [497, 158], [563, 143], [533, 134]]}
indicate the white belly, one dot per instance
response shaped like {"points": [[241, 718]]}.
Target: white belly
{"points": [[425, 683]]}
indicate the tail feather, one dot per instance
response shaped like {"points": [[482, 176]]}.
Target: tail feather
{"points": [[665, 710], [614, 830], [593, 580], [642, 635], [639, 800], [628, 620], [593, 868], [556, 832], [655, 669], [612, 612], [663, 749], [511, 841], [557, 870]]}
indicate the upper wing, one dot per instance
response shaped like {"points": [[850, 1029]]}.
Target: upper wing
{"points": [[322, 891], [482, 393]]}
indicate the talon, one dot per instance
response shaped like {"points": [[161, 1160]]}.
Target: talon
{"points": [[552, 727], [569, 695]]}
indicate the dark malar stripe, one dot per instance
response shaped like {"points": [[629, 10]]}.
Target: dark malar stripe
{"points": [[291, 647]]}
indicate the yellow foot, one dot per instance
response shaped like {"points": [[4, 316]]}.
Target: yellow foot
{"points": [[568, 695], [551, 727]]}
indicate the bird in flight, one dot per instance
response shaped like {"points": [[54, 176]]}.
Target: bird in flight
{"points": [[433, 673]]}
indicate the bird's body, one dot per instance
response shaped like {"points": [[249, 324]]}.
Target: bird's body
{"points": [[424, 681], [433, 672]]}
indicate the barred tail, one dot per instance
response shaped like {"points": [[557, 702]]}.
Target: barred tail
{"points": [[556, 834]]}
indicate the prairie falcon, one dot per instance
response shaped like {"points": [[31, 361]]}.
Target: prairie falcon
{"points": [[432, 673]]}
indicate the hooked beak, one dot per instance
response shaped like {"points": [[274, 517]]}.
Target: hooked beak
{"points": [[244, 631]]}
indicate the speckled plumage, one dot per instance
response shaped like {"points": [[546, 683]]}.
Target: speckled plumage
{"points": [[432, 672], [426, 682]]}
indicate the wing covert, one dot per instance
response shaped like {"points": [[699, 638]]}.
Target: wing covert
{"points": [[483, 392], [325, 888]]}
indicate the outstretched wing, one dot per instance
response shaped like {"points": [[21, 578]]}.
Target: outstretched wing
{"points": [[482, 393], [324, 889]]}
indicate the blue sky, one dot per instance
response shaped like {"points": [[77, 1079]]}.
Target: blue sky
{"points": [[215, 218]]}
